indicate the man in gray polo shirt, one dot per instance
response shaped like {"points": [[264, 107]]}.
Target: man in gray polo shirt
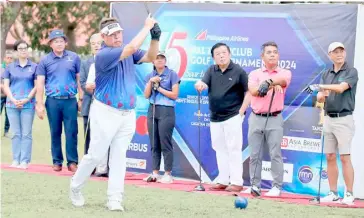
{"points": [[337, 89]]}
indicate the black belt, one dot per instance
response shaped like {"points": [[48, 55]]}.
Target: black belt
{"points": [[273, 114], [62, 97], [341, 114]]}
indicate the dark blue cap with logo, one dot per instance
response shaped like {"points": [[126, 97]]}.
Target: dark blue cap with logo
{"points": [[56, 34]]}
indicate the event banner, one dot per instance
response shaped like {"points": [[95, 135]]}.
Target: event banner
{"points": [[302, 32]]}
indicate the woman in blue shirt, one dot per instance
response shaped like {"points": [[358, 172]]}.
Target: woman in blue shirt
{"points": [[162, 90], [19, 86]]}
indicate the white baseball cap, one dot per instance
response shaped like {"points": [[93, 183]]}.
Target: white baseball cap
{"points": [[111, 28], [334, 46]]}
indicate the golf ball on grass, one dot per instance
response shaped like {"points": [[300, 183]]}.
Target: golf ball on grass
{"points": [[241, 203]]}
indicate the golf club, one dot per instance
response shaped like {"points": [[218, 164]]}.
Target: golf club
{"points": [[316, 200], [256, 193], [146, 7], [151, 178], [200, 186], [87, 132]]}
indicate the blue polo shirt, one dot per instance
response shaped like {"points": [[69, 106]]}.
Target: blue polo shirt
{"points": [[115, 79], [60, 73], [21, 81], [168, 79]]}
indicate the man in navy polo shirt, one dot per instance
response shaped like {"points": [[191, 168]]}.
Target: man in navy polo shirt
{"points": [[112, 114], [59, 71]]}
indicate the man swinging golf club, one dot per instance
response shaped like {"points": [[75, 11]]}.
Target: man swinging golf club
{"points": [[113, 118], [262, 83]]}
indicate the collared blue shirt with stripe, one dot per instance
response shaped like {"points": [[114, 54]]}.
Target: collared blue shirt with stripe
{"points": [[60, 73], [168, 79], [21, 82]]}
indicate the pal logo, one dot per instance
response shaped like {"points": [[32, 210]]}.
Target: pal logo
{"points": [[202, 35], [305, 174]]}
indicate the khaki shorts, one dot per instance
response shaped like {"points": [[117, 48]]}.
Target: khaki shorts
{"points": [[338, 134]]}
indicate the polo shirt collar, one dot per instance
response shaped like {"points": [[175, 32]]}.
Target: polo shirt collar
{"points": [[344, 67], [65, 53], [166, 70], [264, 69], [231, 65], [17, 63]]}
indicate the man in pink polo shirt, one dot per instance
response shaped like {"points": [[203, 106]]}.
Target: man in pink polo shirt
{"points": [[262, 82]]}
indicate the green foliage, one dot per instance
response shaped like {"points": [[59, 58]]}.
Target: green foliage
{"points": [[74, 18]]}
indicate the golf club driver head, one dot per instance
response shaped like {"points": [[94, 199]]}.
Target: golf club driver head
{"points": [[199, 188], [255, 192], [151, 179], [315, 200]]}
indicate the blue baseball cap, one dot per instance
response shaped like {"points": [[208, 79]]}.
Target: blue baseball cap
{"points": [[56, 34]]}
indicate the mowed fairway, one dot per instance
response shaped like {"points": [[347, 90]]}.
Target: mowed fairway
{"points": [[36, 195]]}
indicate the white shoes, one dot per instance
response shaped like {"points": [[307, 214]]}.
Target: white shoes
{"points": [[114, 206], [247, 191], [77, 198], [15, 164], [348, 199], [23, 165], [330, 198], [166, 179], [274, 192]]}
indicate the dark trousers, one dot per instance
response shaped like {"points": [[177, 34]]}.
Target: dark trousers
{"points": [[7, 124], [63, 111], [87, 134], [164, 122]]}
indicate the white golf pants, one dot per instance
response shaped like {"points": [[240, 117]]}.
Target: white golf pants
{"points": [[227, 141], [110, 128]]}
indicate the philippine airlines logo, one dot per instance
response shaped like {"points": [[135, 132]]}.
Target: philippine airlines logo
{"points": [[203, 35], [305, 174]]}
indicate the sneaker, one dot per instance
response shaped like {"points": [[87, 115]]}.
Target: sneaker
{"points": [[151, 178], [8, 135], [274, 192], [76, 197], [330, 198], [15, 164], [23, 165], [255, 191], [166, 179], [247, 191], [348, 199], [114, 206]]}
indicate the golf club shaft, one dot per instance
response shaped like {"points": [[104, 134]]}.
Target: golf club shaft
{"points": [[263, 139], [146, 7], [153, 136], [199, 131], [322, 154]]}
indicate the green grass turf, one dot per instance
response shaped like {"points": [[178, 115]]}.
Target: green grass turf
{"points": [[36, 195]]}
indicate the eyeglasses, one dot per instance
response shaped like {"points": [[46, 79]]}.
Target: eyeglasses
{"points": [[22, 48]]}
